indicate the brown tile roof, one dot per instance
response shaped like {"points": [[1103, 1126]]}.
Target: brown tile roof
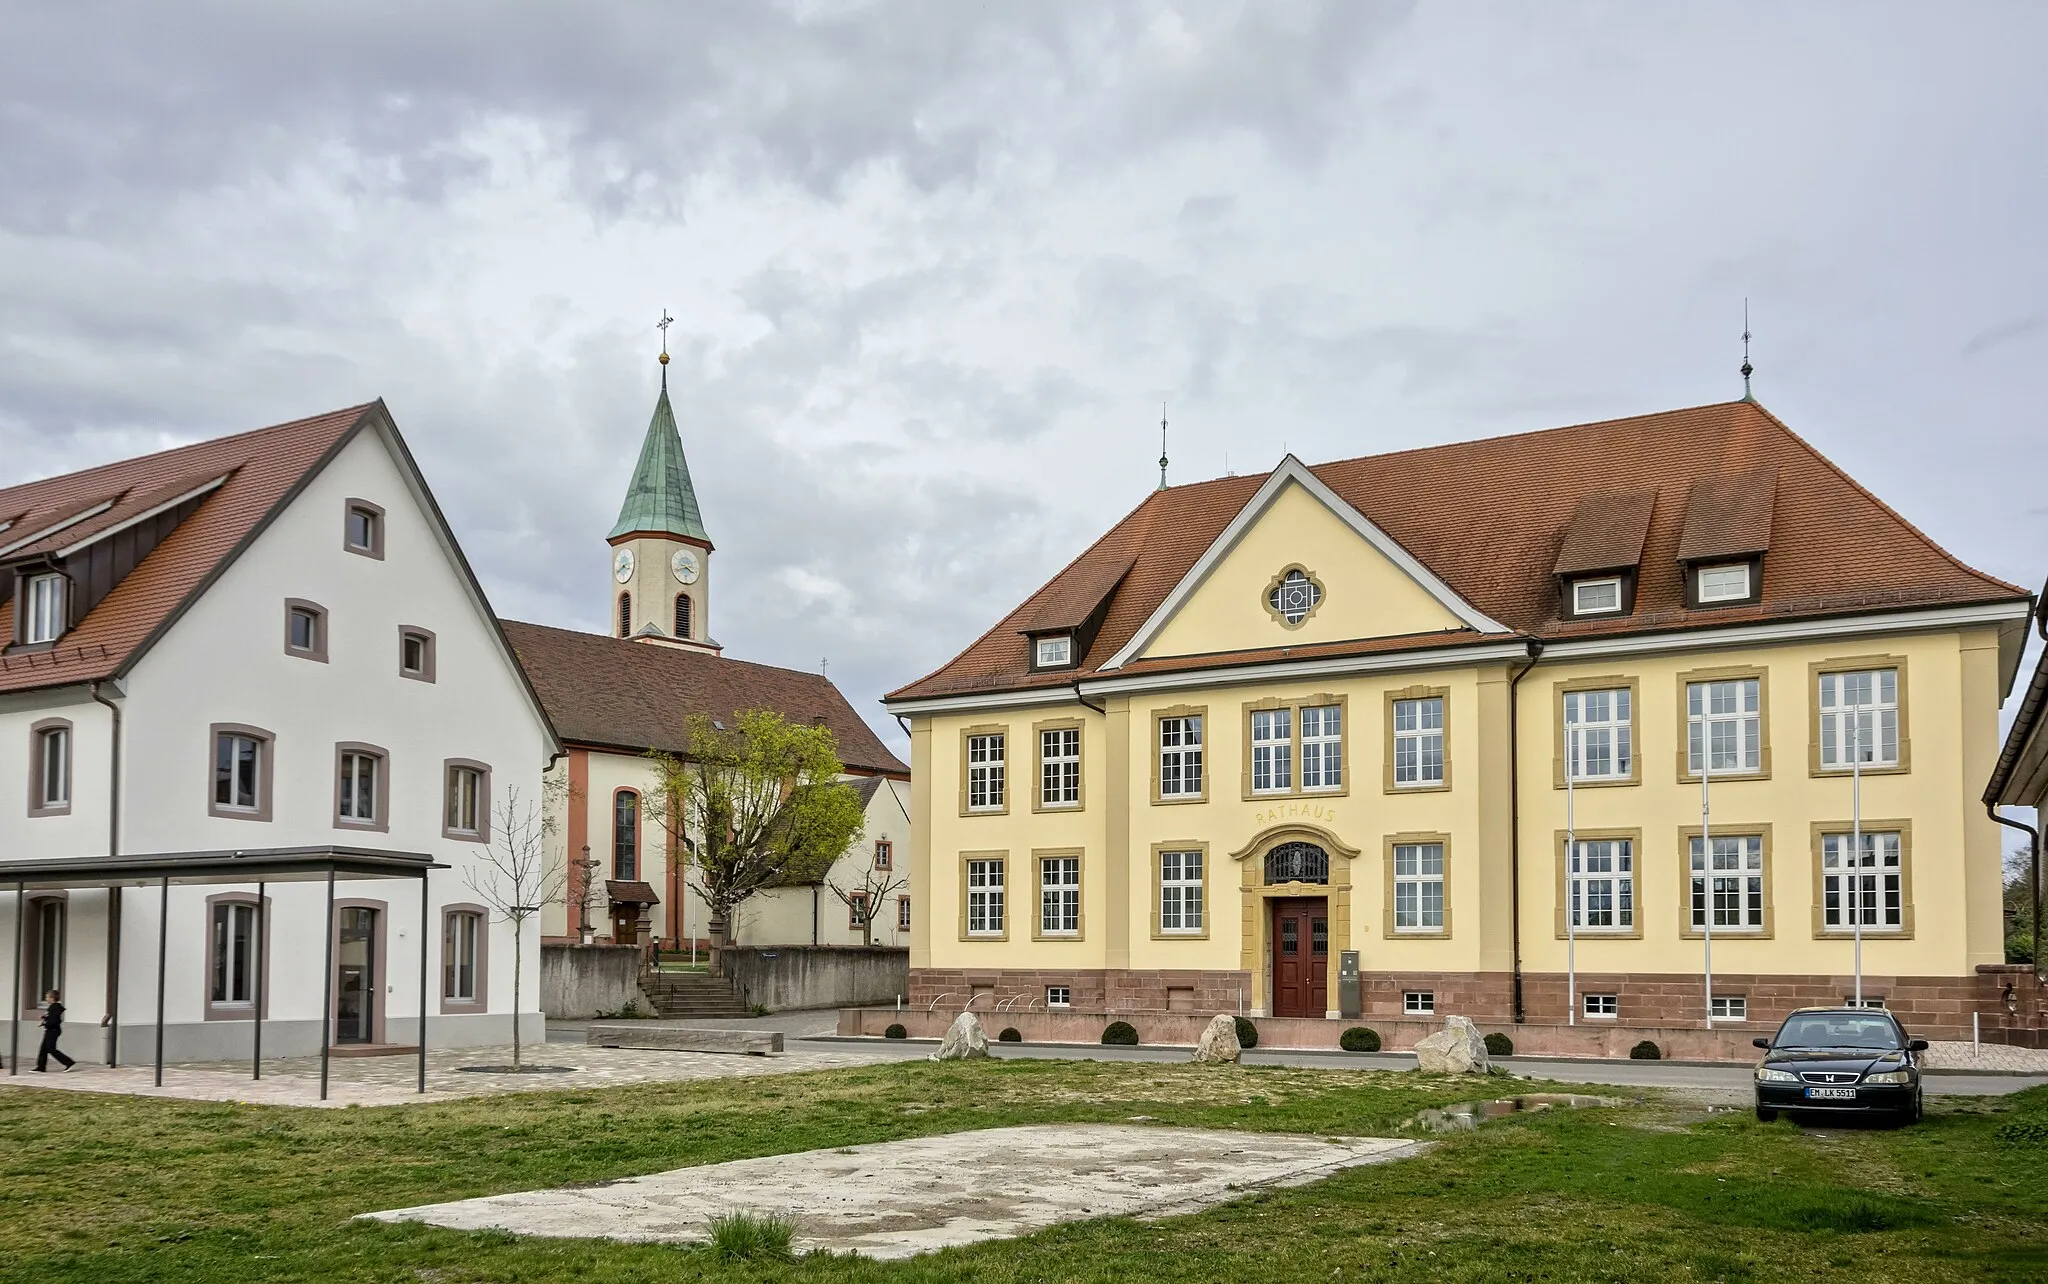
{"points": [[1729, 516], [1489, 517], [613, 693], [1606, 534], [267, 467]]}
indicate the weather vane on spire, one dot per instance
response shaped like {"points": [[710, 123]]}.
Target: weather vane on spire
{"points": [[1747, 368], [1162, 445], [663, 325]]}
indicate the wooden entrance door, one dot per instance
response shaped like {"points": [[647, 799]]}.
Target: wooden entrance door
{"points": [[1301, 958]]}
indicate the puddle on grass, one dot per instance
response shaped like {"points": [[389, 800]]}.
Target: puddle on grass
{"points": [[1464, 1116]]}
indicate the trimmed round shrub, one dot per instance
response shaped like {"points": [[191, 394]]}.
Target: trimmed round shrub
{"points": [[1120, 1033], [1646, 1051], [1009, 1035], [895, 1032], [1247, 1032], [1499, 1045], [1359, 1039]]}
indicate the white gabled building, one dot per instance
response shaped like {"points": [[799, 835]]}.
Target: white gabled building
{"points": [[258, 662]]}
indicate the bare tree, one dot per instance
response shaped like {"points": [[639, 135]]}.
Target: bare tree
{"points": [[765, 796], [874, 887], [513, 877]]}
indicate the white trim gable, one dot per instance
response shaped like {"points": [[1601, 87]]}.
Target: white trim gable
{"points": [[1293, 471]]}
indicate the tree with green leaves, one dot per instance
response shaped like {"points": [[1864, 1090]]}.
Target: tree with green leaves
{"points": [[760, 803]]}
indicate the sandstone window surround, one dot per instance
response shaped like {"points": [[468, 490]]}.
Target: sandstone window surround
{"points": [[1593, 730], [305, 630], [1744, 862], [1866, 697], [1180, 908], [237, 956], [49, 767], [1418, 743], [1728, 709], [362, 529], [1416, 889], [1179, 754], [984, 770], [416, 658], [1059, 894], [465, 958], [362, 787], [1599, 881], [1295, 746], [1293, 596], [466, 806], [1058, 743], [243, 758], [1883, 886], [984, 908]]}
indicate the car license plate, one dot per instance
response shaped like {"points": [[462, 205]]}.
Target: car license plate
{"points": [[1831, 1094]]}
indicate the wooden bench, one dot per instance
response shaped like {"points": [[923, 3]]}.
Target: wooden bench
{"points": [[670, 1038]]}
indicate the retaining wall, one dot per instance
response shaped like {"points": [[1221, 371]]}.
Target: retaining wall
{"points": [[581, 981], [793, 977]]}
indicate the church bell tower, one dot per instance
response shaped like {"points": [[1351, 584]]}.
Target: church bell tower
{"points": [[660, 553]]}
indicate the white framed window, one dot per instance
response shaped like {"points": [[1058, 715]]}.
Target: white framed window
{"points": [[1859, 718], [459, 942], [1059, 895], [1873, 887], [52, 773], [1869, 1001], [857, 910], [1596, 597], [1601, 884], [1419, 741], [985, 772], [1272, 750], [358, 796], [1180, 891], [1599, 741], [1723, 583], [1059, 996], [903, 913], [238, 772], [234, 953], [985, 897], [1418, 1002], [885, 854], [1603, 1005], [363, 529], [1180, 756], [45, 619], [1054, 652], [1418, 887], [1738, 883], [1322, 747], [1730, 1007], [1724, 720], [465, 800], [1059, 767]]}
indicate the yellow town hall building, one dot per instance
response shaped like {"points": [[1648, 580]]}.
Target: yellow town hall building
{"points": [[1445, 714]]}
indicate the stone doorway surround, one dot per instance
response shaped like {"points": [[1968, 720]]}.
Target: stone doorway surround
{"points": [[1256, 953]]}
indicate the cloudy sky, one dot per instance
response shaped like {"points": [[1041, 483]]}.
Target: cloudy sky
{"points": [[934, 266]]}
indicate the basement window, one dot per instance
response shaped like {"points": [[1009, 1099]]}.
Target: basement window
{"points": [[1059, 996], [1603, 1005], [1730, 1007], [1419, 1003]]}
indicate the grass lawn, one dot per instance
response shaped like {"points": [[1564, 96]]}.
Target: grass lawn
{"points": [[98, 1188]]}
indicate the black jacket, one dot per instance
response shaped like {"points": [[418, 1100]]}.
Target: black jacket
{"points": [[53, 1017]]}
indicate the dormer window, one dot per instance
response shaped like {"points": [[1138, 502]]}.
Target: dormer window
{"points": [[1596, 597], [1056, 652], [44, 618], [1729, 583]]}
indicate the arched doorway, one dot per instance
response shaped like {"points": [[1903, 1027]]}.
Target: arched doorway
{"points": [[1297, 885]]}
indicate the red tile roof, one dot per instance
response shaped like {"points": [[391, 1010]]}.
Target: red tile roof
{"points": [[1490, 518], [614, 693], [265, 467]]}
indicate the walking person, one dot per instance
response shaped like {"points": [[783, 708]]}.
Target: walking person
{"points": [[53, 1025]]}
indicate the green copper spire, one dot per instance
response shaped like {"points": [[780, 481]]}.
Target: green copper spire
{"points": [[660, 497]]}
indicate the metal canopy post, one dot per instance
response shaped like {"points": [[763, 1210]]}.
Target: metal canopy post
{"points": [[327, 989], [262, 958], [423, 982], [14, 1025], [163, 933]]}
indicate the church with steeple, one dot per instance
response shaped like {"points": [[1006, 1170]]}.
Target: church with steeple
{"points": [[612, 696]]}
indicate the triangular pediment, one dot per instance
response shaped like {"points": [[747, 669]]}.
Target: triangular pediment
{"points": [[1359, 583]]}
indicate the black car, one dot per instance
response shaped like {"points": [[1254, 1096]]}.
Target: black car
{"points": [[1842, 1060]]}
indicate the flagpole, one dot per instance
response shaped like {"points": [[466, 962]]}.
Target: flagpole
{"points": [[1856, 832], [1571, 858], [1706, 854]]}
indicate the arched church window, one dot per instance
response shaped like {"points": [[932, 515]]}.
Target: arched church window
{"points": [[626, 836], [682, 615], [625, 615], [1297, 863]]}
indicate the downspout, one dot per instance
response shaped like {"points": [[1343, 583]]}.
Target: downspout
{"points": [[1102, 709], [2033, 876], [115, 895], [1515, 829]]}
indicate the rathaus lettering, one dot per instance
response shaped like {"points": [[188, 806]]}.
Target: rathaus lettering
{"points": [[1296, 811]]}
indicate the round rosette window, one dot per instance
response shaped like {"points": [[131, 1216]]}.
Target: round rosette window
{"points": [[1293, 596]]}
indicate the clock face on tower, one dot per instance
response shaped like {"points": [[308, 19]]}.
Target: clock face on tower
{"points": [[622, 565], [685, 565]]}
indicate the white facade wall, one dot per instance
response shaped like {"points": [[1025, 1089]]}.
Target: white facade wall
{"points": [[225, 662]]}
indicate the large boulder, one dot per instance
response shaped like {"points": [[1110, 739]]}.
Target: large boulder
{"points": [[965, 1039], [1219, 1041], [1458, 1048]]}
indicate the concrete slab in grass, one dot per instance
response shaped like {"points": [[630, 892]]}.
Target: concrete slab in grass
{"points": [[900, 1198], [673, 1038]]}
